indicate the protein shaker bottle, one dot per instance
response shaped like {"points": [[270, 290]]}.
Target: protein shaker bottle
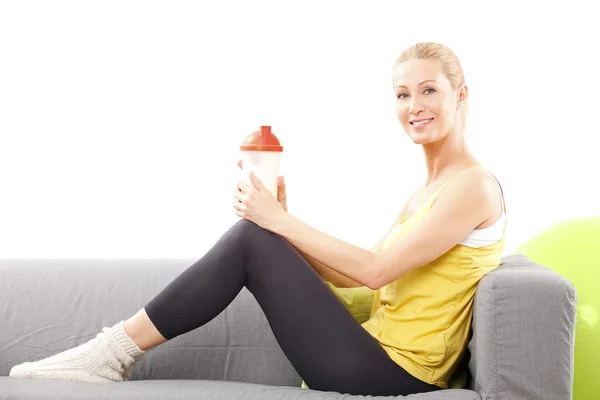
{"points": [[261, 154]]}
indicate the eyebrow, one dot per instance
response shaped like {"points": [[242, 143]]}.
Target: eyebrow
{"points": [[429, 80]]}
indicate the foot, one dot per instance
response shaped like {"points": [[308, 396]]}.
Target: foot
{"points": [[106, 358]]}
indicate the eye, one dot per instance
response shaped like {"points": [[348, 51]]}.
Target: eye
{"points": [[427, 91]]}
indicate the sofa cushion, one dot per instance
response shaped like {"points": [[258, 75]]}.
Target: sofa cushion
{"points": [[186, 390], [51, 305]]}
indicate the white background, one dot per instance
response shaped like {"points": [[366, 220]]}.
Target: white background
{"points": [[120, 121]]}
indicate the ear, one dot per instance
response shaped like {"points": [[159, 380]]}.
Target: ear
{"points": [[463, 93]]}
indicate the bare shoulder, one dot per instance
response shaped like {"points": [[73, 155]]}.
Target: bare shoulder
{"points": [[479, 188], [484, 178]]}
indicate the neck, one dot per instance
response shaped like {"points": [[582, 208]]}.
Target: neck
{"points": [[446, 157]]}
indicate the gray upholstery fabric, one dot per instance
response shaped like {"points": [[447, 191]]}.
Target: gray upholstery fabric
{"points": [[523, 333], [187, 390], [50, 305]]}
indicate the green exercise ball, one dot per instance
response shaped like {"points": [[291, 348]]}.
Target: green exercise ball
{"points": [[572, 249]]}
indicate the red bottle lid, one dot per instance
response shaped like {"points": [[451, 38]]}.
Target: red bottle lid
{"points": [[261, 140]]}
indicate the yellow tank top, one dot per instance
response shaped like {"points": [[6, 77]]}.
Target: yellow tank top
{"points": [[422, 320]]}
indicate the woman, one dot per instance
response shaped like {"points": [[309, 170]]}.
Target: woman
{"points": [[424, 271]]}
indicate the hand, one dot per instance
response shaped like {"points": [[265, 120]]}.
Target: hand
{"points": [[255, 203], [281, 196]]}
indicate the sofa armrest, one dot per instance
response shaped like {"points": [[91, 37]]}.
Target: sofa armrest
{"points": [[523, 333]]}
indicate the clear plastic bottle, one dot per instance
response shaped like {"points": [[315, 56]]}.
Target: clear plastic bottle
{"points": [[261, 153]]}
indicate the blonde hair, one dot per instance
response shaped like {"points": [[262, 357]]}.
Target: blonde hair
{"points": [[450, 67]]}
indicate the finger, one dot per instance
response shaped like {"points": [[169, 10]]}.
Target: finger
{"points": [[239, 206], [281, 182], [245, 187], [239, 214], [257, 182], [281, 190], [239, 196], [239, 163]]}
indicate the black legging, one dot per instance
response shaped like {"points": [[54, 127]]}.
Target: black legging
{"points": [[328, 348]]}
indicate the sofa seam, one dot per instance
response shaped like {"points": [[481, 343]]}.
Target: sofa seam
{"points": [[227, 332], [494, 343]]}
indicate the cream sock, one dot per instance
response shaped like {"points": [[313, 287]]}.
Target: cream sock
{"points": [[106, 358]]}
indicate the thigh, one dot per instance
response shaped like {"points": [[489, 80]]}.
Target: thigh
{"points": [[325, 344]]}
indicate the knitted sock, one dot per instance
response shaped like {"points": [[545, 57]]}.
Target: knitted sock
{"points": [[106, 358]]}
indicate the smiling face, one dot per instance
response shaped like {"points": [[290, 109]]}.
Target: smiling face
{"points": [[426, 104]]}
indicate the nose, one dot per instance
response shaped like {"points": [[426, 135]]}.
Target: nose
{"points": [[415, 106]]}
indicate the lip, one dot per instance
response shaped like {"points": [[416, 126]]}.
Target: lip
{"points": [[421, 127], [419, 120]]}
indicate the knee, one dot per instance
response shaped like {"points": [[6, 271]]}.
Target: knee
{"points": [[249, 232], [257, 241], [248, 228]]}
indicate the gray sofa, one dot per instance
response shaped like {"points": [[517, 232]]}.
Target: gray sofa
{"points": [[522, 342]]}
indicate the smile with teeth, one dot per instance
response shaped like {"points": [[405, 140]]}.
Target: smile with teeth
{"points": [[422, 123]]}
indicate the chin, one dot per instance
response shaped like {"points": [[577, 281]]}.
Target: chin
{"points": [[422, 137]]}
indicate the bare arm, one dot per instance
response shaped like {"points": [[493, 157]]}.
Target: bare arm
{"points": [[328, 274], [339, 280]]}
